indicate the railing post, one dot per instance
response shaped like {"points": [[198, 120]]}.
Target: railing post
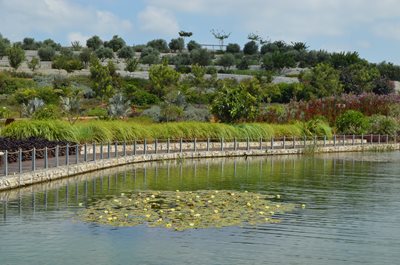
{"points": [[234, 144], [324, 140], [85, 152], [261, 143], [387, 139], [6, 162], [371, 138], [57, 155], [305, 141], [195, 145], [334, 140], [67, 154], [124, 149], [272, 143], [248, 144], [284, 143], [181, 145], [145, 146], [344, 140], [94, 151], [379, 139], [46, 161], [208, 144], [155, 145], [168, 146], [116, 149], [294, 142], [362, 139], [20, 160], [34, 159], [315, 140], [108, 150], [353, 142], [77, 154], [101, 151], [134, 147], [222, 144]]}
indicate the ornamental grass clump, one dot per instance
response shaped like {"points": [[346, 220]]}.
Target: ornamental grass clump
{"points": [[187, 210]]}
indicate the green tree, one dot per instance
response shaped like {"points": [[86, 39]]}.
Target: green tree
{"points": [[46, 53], [150, 56], [233, 48], [116, 43], [352, 122], [321, 81], [16, 55], [131, 65], [85, 55], [94, 42], [159, 44], [104, 53], [4, 45], [52, 43], [163, 78], [250, 48], [29, 44], [192, 45], [102, 80], [278, 60], [226, 61], [201, 57], [67, 63], [237, 102], [34, 64], [126, 53], [177, 44], [359, 78]]}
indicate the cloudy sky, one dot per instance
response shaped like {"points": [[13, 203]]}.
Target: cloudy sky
{"points": [[368, 26]]}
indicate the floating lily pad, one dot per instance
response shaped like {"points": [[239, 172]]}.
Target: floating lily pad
{"points": [[180, 210]]}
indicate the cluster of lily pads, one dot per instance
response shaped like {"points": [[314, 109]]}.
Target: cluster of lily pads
{"points": [[181, 210]]}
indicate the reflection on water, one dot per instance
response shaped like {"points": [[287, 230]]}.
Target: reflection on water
{"points": [[351, 216]]}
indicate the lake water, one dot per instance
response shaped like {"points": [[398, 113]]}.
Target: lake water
{"points": [[352, 214]]}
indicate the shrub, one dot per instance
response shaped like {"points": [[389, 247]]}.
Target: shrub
{"points": [[352, 122], [380, 124], [126, 52], [233, 48], [47, 112], [159, 44], [250, 48], [46, 53], [51, 130], [16, 55], [154, 113], [97, 112]]}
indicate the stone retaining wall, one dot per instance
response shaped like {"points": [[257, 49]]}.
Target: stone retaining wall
{"points": [[29, 178]]}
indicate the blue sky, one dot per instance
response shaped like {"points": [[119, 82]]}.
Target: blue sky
{"points": [[370, 27]]}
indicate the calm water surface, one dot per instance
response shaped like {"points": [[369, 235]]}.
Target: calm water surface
{"points": [[352, 214]]}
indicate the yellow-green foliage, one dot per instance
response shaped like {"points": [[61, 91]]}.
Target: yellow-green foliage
{"points": [[111, 131], [52, 130]]}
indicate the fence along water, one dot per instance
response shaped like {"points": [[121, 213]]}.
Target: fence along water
{"points": [[23, 161]]}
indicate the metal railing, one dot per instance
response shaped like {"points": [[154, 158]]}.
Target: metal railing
{"points": [[17, 162]]}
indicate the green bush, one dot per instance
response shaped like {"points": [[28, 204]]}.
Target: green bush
{"points": [[97, 112], [317, 127], [47, 112], [380, 124], [352, 122], [51, 130]]}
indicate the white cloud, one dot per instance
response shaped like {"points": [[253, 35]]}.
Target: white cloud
{"points": [[290, 19], [77, 36], [20, 18], [158, 20]]}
